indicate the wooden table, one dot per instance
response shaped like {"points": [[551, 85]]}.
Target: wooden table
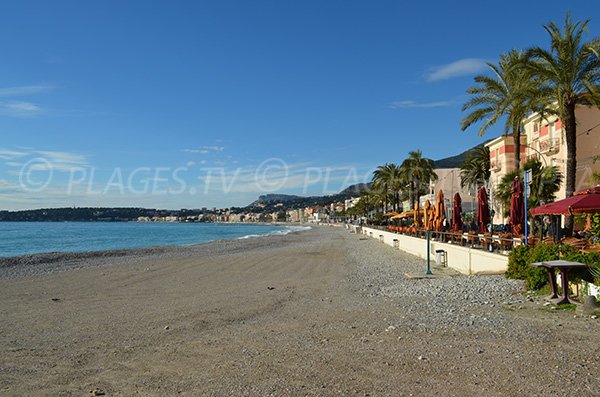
{"points": [[563, 267]]}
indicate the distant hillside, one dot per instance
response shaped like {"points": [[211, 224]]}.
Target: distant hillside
{"points": [[92, 214], [277, 198], [455, 161], [355, 189]]}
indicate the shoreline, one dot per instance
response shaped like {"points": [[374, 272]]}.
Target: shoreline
{"points": [[54, 256], [50, 262]]}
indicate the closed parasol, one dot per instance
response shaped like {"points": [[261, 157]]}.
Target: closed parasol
{"points": [[483, 210], [426, 212], [431, 217], [456, 211], [517, 211], [440, 211], [417, 220]]}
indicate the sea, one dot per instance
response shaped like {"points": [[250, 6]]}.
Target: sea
{"points": [[23, 238]]}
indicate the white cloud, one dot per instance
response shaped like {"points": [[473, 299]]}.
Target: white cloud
{"points": [[24, 90], [63, 157], [39, 160], [7, 154], [462, 67], [412, 104], [205, 149], [19, 109]]}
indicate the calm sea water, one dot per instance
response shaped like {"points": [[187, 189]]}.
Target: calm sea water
{"points": [[20, 238]]}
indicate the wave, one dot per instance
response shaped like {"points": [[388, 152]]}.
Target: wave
{"points": [[287, 230]]}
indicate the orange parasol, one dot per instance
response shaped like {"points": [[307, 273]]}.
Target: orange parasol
{"points": [[440, 212], [426, 212], [417, 214]]}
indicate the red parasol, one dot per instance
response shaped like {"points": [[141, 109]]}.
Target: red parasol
{"points": [[517, 212], [457, 209], [583, 202], [483, 210]]}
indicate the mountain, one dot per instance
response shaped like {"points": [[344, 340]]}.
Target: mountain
{"points": [[280, 198], [455, 161], [356, 189]]}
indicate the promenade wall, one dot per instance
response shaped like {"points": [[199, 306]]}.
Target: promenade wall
{"points": [[465, 260]]}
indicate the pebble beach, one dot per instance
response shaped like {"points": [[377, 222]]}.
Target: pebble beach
{"points": [[321, 312]]}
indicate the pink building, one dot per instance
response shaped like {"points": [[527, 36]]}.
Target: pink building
{"points": [[544, 139]]}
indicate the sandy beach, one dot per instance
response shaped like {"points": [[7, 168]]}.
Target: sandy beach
{"points": [[316, 313]]}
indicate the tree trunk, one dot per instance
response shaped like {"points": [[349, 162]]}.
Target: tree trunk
{"points": [[571, 171], [517, 139], [417, 193]]}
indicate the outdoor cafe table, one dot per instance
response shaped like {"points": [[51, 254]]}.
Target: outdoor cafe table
{"points": [[563, 267]]}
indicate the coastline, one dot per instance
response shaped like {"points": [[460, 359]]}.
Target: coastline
{"points": [[58, 256], [49, 262], [319, 313]]}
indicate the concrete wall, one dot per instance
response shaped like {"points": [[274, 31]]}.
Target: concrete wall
{"points": [[465, 260]]}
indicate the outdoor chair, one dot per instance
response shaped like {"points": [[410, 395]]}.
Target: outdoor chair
{"points": [[506, 241], [591, 248], [548, 240], [532, 240], [486, 241], [472, 238], [577, 243]]}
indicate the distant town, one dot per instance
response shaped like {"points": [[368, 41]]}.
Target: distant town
{"points": [[267, 208]]}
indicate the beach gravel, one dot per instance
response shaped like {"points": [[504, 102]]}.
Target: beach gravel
{"points": [[317, 313]]}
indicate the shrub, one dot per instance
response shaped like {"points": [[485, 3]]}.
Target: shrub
{"points": [[521, 258]]}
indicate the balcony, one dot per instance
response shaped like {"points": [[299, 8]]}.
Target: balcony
{"points": [[550, 146], [495, 166], [533, 156]]}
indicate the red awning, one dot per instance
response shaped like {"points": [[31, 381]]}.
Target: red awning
{"points": [[583, 202]]}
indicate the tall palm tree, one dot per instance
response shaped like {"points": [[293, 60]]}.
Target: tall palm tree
{"points": [[417, 169], [387, 179], [571, 68], [475, 170], [510, 92]]}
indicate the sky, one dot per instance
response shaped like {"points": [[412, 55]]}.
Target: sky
{"points": [[191, 104]]}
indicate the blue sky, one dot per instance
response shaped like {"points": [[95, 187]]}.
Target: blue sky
{"points": [[189, 104]]}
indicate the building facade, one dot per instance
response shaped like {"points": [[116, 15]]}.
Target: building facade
{"points": [[544, 140]]}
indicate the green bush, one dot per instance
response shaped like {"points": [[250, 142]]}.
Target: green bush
{"points": [[592, 260], [517, 263], [521, 258]]}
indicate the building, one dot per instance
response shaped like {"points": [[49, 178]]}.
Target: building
{"points": [[349, 203], [544, 139], [449, 182]]}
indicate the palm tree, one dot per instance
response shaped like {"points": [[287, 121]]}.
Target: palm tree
{"points": [[545, 182], [511, 93], [475, 170], [417, 169], [571, 69], [387, 179]]}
